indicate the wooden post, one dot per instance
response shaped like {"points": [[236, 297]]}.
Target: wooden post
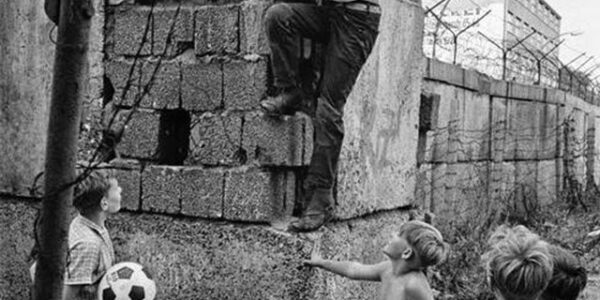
{"points": [[68, 88]]}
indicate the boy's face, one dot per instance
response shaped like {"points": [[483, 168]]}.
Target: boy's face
{"points": [[397, 248], [113, 196]]}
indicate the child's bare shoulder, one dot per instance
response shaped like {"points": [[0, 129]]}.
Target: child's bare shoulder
{"points": [[417, 286]]}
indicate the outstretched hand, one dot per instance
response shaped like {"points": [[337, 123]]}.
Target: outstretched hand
{"points": [[315, 257]]}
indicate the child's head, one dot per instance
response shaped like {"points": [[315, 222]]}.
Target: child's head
{"points": [[518, 264], [568, 278], [420, 242], [97, 191]]}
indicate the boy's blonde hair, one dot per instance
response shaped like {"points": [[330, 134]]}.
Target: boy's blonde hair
{"points": [[426, 241], [91, 188], [518, 263]]}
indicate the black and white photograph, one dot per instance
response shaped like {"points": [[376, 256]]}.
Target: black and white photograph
{"points": [[299, 150]]}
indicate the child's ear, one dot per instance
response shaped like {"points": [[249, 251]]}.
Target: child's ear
{"points": [[407, 253], [104, 204]]}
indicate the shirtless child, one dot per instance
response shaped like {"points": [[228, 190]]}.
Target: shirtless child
{"points": [[417, 246]]}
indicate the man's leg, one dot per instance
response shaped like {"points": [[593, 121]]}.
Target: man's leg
{"points": [[353, 34], [286, 23]]}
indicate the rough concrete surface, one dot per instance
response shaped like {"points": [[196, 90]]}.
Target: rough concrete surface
{"points": [[377, 168], [131, 25], [277, 141], [257, 195], [140, 135], [192, 259], [215, 139], [16, 241], [244, 83], [26, 59], [216, 29]]}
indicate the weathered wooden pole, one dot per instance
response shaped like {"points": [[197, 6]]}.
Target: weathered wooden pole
{"points": [[68, 87]]}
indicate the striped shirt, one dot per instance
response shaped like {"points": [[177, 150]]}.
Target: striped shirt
{"points": [[91, 252]]}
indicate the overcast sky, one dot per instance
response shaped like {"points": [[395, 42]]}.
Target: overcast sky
{"points": [[579, 16]]}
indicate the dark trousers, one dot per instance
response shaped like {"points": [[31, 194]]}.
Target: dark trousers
{"points": [[349, 36]]}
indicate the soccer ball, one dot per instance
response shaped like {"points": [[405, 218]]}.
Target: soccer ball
{"points": [[126, 281]]}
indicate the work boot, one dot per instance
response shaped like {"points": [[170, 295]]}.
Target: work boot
{"points": [[286, 103], [317, 214]]}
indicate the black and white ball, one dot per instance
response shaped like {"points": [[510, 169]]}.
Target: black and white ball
{"points": [[126, 281]]}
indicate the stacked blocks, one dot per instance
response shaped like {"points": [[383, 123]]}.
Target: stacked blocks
{"points": [[188, 80]]}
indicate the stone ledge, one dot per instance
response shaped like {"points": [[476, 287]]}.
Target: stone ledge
{"points": [[199, 258], [258, 195]]}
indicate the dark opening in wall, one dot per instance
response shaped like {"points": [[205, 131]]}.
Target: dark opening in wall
{"points": [[173, 137], [426, 109]]}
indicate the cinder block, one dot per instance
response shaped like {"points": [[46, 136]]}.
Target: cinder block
{"points": [[140, 134], [191, 191], [445, 72], [201, 86], [132, 22], [161, 189], [258, 195], [128, 175], [216, 29], [216, 140], [253, 37], [245, 83], [276, 141], [149, 85], [202, 192]]}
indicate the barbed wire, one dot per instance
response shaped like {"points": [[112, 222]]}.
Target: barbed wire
{"points": [[474, 54]]}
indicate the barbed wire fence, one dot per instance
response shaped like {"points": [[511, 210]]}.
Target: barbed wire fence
{"points": [[513, 58], [541, 170]]}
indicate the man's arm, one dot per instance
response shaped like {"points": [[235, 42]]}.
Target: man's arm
{"points": [[350, 269]]}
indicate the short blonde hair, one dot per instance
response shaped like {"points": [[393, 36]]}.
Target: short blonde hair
{"points": [[518, 263], [426, 241]]}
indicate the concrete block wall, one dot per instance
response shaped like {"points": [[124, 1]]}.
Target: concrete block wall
{"points": [[188, 80], [502, 139]]}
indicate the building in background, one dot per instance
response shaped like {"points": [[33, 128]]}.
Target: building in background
{"points": [[527, 31]]}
